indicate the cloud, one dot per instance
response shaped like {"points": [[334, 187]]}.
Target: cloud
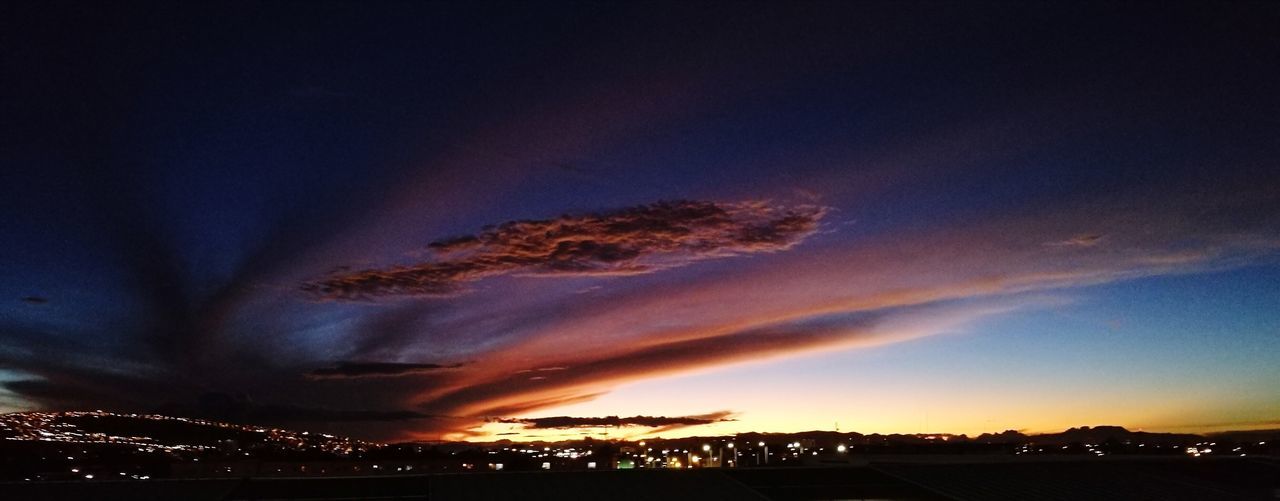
{"points": [[44, 390], [375, 369], [628, 241], [590, 372], [561, 422], [579, 347], [879, 288], [541, 369], [1086, 240], [35, 300], [241, 408]]}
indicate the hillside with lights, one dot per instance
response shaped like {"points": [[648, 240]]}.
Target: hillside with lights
{"points": [[99, 445]]}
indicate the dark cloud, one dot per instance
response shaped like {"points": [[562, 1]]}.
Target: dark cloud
{"points": [[385, 334], [615, 421], [627, 241], [45, 390], [241, 408], [67, 388], [375, 369], [296, 414], [35, 300]]}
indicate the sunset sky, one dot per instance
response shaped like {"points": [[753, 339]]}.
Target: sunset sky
{"points": [[420, 221]]}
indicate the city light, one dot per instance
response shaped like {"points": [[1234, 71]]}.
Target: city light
{"points": [[77, 459]]}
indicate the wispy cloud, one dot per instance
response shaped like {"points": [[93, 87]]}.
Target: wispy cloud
{"points": [[616, 422], [1086, 240], [628, 241], [591, 373], [863, 291], [376, 369], [876, 290]]}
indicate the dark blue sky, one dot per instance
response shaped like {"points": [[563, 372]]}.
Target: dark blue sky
{"points": [[203, 205]]}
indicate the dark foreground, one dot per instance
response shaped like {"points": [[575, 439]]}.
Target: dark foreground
{"points": [[1162, 479]]}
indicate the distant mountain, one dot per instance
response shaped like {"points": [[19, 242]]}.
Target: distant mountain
{"points": [[1103, 434], [1087, 435], [1004, 437]]}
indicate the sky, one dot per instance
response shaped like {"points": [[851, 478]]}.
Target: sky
{"points": [[422, 221]]}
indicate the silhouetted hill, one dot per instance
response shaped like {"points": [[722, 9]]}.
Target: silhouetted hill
{"points": [[1004, 437], [1117, 434], [164, 432]]}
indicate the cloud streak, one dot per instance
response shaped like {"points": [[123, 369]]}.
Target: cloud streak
{"points": [[879, 289], [499, 394], [562, 422], [376, 369], [869, 290], [1087, 240], [629, 241]]}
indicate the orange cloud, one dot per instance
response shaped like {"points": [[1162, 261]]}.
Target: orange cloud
{"points": [[628, 241], [874, 291]]}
